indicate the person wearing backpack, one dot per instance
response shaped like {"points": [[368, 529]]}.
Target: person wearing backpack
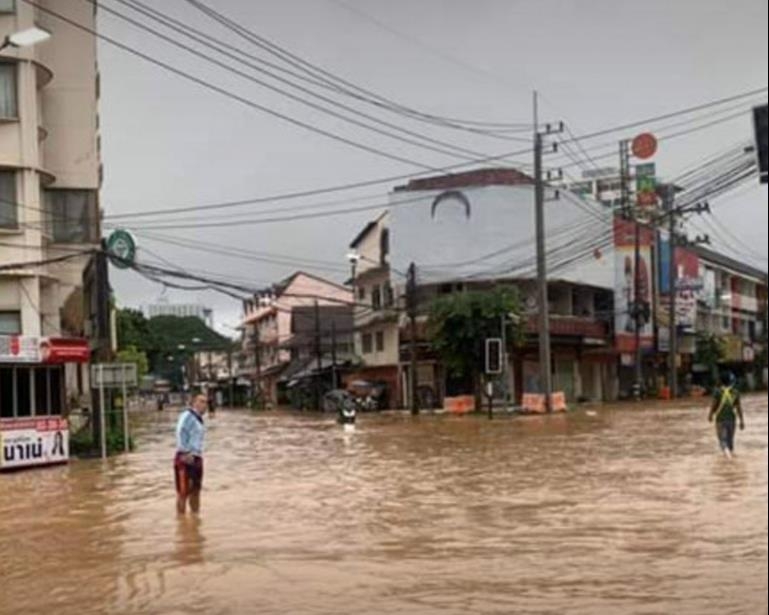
{"points": [[726, 410]]}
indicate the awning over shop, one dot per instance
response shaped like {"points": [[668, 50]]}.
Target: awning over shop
{"points": [[58, 350]]}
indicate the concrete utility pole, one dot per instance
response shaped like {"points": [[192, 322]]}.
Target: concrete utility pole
{"points": [[411, 309], [668, 196], [318, 356], [334, 379], [668, 192], [255, 338], [545, 361], [629, 213]]}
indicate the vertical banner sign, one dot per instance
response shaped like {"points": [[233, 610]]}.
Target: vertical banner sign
{"points": [[624, 286], [646, 185]]}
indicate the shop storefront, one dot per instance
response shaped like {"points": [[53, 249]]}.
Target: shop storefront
{"points": [[33, 427]]}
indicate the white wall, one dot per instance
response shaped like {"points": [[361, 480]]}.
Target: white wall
{"points": [[497, 239]]}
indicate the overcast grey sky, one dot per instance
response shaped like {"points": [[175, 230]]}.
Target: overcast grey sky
{"points": [[597, 63]]}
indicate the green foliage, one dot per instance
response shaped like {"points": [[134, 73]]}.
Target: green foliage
{"points": [[459, 324], [710, 352], [159, 339], [81, 444], [133, 330], [168, 332], [131, 354]]}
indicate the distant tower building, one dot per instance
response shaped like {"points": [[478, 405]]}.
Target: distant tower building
{"points": [[182, 310]]}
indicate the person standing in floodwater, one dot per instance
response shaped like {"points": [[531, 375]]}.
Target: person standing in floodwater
{"points": [[188, 461], [726, 409]]}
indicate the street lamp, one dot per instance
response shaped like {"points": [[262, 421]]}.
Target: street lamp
{"points": [[26, 38], [353, 257]]}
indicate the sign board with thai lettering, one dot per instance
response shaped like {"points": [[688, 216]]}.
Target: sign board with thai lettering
{"points": [[33, 442]]}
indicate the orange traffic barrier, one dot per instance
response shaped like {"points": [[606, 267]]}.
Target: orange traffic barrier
{"points": [[558, 402], [534, 403], [459, 405]]}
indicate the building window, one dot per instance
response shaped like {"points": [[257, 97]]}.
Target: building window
{"points": [[10, 323], [380, 343], [6, 392], [26, 391], [388, 297], [42, 401], [9, 217], [7, 6], [8, 105], [23, 391], [384, 245], [376, 297], [367, 343], [361, 293], [726, 324], [74, 215]]}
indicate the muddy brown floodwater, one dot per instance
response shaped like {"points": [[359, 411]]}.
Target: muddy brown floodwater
{"points": [[629, 511]]}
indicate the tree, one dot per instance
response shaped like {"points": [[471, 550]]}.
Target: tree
{"points": [[131, 354], [710, 352], [133, 330], [460, 323], [167, 342]]}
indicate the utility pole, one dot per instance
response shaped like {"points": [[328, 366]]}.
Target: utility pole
{"points": [[505, 368], [636, 311], [668, 196], [318, 355], [255, 338], [231, 379], [545, 360], [334, 380], [96, 307], [668, 192], [411, 309]]}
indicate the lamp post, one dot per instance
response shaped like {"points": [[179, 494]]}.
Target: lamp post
{"points": [[25, 38]]}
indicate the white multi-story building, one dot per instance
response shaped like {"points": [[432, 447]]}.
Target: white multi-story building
{"points": [[181, 310], [50, 169], [50, 175], [474, 230]]}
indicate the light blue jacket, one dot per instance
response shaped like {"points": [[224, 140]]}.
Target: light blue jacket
{"points": [[190, 433]]}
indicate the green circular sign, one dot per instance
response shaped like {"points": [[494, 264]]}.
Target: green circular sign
{"points": [[121, 248]]}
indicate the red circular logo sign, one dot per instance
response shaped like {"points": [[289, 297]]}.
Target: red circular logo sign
{"points": [[644, 146]]}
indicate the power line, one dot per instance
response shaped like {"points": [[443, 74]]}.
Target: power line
{"points": [[42, 262], [323, 214], [224, 92], [455, 151], [395, 178], [344, 86]]}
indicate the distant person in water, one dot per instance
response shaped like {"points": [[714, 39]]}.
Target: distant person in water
{"points": [[188, 461], [726, 409]]}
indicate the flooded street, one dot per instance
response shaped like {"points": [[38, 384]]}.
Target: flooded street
{"points": [[627, 512]]}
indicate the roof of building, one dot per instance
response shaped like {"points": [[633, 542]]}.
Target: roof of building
{"points": [[283, 285], [367, 229], [729, 262], [497, 176]]}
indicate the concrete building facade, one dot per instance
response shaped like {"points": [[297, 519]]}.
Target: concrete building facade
{"points": [[50, 169]]}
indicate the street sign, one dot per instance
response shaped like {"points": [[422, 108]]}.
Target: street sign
{"points": [[646, 184], [494, 355], [113, 375], [644, 146], [121, 248]]}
